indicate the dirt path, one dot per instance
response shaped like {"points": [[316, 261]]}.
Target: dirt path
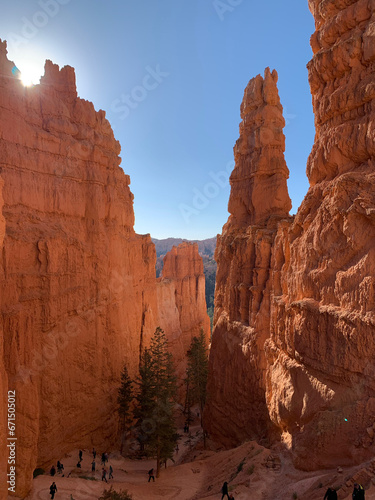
{"points": [[253, 473], [175, 482]]}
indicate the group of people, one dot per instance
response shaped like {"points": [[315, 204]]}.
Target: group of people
{"points": [[60, 469], [358, 493]]}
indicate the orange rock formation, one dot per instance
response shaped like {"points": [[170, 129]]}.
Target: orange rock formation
{"points": [[259, 199], [182, 302], [78, 288], [295, 298], [3, 384]]}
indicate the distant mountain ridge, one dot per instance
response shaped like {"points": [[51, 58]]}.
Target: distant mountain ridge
{"points": [[206, 247]]}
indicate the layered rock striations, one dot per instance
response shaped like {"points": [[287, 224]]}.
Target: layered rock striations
{"points": [[78, 292], [182, 302], [309, 334], [3, 381], [258, 200], [323, 314], [79, 295]]}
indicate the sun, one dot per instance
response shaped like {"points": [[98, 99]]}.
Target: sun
{"points": [[30, 75]]}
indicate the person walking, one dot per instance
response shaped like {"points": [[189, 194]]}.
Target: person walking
{"points": [[110, 472], [52, 471], [52, 490], [151, 475], [358, 492], [93, 466], [103, 458], [224, 491], [331, 494], [104, 474]]}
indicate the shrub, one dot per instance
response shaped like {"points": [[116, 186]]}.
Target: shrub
{"points": [[250, 470], [240, 466], [111, 494]]}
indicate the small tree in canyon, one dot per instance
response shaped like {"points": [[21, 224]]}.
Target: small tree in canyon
{"points": [[124, 399], [197, 373], [155, 408]]}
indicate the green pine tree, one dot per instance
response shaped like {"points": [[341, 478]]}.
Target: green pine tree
{"points": [[197, 373], [143, 411], [124, 399], [155, 410]]}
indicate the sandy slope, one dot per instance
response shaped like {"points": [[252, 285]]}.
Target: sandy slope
{"points": [[253, 473]]}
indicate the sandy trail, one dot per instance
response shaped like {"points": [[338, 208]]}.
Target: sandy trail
{"points": [[252, 471]]}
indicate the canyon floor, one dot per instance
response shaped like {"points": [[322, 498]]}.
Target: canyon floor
{"points": [[252, 471]]}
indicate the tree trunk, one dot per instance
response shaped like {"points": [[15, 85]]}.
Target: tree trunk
{"points": [[158, 462], [204, 434]]}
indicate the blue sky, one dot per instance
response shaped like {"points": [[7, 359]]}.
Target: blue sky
{"points": [[170, 75]]}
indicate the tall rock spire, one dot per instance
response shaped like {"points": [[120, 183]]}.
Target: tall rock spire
{"points": [[258, 182], [258, 201]]}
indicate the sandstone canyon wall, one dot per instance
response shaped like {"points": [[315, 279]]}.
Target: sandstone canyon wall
{"points": [[79, 295], [182, 302], [297, 318], [259, 199], [3, 381]]}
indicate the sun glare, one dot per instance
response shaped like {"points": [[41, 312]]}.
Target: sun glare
{"points": [[30, 75]]}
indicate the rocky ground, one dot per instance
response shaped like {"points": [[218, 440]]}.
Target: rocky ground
{"points": [[252, 471]]}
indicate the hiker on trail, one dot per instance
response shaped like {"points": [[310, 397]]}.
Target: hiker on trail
{"points": [[60, 466], [358, 492], [104, 474], [52, 471], [224, 490], [94, 453], [331, 494], [106, 457], [80, 455], [52, 490], [151, 475], [93, 465], [103, 458], [110, 472]]}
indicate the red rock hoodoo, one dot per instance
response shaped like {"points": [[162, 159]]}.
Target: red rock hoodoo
{"points": [[259, 199], [79, 295], [182, 302], [294, 325]]}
